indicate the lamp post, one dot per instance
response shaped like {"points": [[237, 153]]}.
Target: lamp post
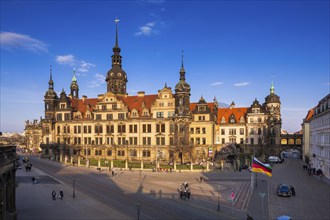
{"points": [[138, 208], [73, 188], [218, 198]]}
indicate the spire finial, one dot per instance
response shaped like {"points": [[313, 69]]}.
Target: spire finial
{"points": [[51, 73], [182, 58], [272, 86], [74, 79], [116, 20]]}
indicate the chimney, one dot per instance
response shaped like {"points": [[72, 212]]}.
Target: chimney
{"points": [[84, 97], [141, 94]]}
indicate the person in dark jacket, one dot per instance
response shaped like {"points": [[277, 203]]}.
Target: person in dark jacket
{"points": [[293, 192]]}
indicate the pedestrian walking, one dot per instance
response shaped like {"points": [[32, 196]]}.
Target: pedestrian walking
{"points": [[200, 179], [34, 180], [249, 217], [61, 194], [54, 195], [293, 191], [113, 173]]}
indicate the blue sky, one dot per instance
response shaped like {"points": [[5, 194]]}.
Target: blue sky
{"points": [[233, 50]]}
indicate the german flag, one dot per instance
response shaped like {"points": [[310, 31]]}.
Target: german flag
{"points": [[259, 167]]}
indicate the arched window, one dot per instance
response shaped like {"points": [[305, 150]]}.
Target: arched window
{"points": [[284, 141]]}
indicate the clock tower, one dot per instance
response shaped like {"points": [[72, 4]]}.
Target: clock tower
{"points": [[116, 77]]}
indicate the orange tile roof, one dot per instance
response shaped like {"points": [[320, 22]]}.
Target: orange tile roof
{"points": [[135, 102], [81, 104], [309, 115], [226, 112], [210, 105]]}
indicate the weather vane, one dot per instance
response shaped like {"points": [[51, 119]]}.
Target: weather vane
{"points": [[116, 20]]}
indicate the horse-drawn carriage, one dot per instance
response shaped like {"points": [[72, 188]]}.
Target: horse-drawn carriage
{"points": [[184, 191]]}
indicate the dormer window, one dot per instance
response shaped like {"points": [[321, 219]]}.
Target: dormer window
{"points": [[232, 119], [223, 120], [134, 113], [201, 108], [145, 113], [63, 106]]}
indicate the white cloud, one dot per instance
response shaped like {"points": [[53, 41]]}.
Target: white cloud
{"points": [[216, 83], [69, 60], [66, 60], [242, 84], [146, 30], [11, 41], [98, 80]]}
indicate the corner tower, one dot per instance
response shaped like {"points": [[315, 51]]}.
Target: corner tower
{"points": [[182, 117], [51, 98], [182, 95], [74, 88], [116, 77], [274, 120]]}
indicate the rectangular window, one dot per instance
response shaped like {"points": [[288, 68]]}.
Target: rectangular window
{"points": [[223, 141], [58, 130], [203, 130], [191, 130], [160, 114], [171, 141], [252, 140], [59, 117], [198, 131], [132, 128], [67, 116], [241, 131], [98, 116], [109, 152], [223, 132], [121, 116], [109, 116]]}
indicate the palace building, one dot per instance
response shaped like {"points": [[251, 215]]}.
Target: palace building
{"points": [[164, 126]]}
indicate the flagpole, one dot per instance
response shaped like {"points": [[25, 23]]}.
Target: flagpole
{"points": [[251, 175]]}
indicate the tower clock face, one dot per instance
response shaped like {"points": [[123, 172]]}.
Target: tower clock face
{"points": [[111, 74], [119, 74]]}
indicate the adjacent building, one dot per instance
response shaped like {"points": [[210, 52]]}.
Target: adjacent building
{"points": [[164, 126], [316, 128]]}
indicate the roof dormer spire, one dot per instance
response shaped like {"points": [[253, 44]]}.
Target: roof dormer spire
{"points": [[116, 20]]}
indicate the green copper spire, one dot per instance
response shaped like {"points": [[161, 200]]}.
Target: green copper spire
{"points": [[272, 88], [74, 79]]}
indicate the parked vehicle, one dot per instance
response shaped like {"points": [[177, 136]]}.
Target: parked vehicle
{"points": [[274, 159], [283, 190]]}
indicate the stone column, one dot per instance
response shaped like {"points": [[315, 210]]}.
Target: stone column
{"points": [[126, 164], [174, 165], [71, 160], [221, 164], [78, 160], [191, 166], [111, 164], [141, 164], [61, 156], [99, 163], [207, 165]]}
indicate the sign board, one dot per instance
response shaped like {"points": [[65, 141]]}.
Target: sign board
{"points": [[232, 195], [210, 151]]}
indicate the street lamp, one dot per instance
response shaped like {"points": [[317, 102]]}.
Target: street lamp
{"points": [[138, 208], [73, 188], [218, 199]]}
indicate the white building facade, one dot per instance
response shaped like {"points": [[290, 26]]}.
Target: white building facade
{"points": [[319, 136]]}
